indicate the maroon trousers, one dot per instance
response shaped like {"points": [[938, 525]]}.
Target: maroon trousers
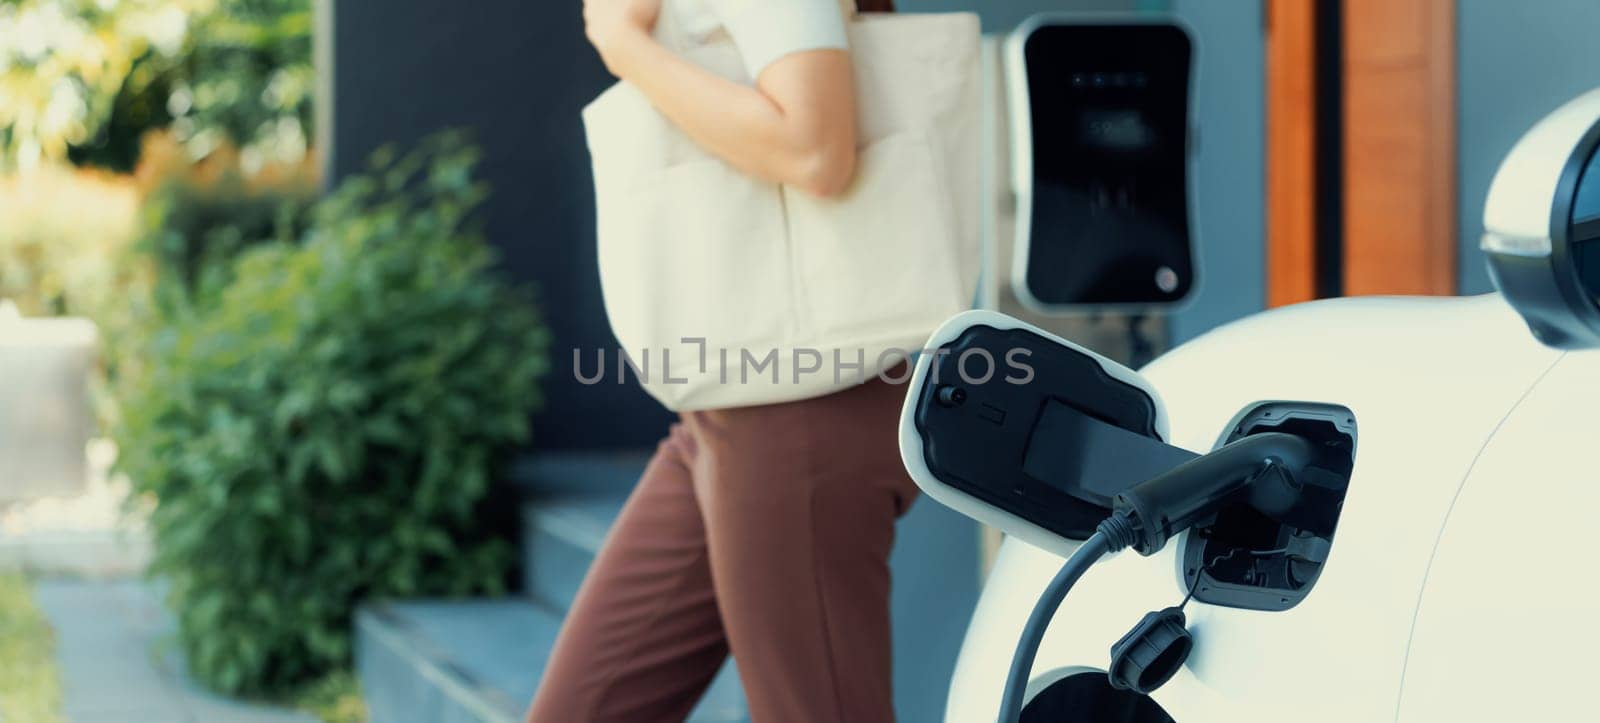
{"points": [[764, 531]]}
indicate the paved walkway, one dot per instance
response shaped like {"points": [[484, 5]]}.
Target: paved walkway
{"points": [[118, 659]]}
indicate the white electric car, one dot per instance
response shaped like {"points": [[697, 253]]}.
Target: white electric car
{"points": [[1450, 574]]}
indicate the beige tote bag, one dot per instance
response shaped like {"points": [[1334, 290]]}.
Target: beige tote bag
{"points": [[727, 291]]}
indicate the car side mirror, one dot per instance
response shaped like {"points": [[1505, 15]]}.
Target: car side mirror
{"points": [[1027, 432], [1542, 226]]}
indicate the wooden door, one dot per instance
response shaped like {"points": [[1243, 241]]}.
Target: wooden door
{"points": [[1361, 148], [1400, 147]]}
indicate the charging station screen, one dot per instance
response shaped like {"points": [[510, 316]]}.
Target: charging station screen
{"points": [[1109, 107]]}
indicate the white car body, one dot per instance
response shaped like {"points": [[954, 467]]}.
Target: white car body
{"points": [[1460, 585]]}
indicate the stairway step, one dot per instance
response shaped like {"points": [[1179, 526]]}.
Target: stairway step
{"points": [[561, 474], [561, 537], [475, 661]]}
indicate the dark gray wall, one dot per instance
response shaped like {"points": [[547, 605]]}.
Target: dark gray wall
{"points": [[1230, 169], [515, 73], [1517, 62]]}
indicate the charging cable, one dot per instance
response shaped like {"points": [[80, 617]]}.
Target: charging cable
{"points": [[1087, 555]]}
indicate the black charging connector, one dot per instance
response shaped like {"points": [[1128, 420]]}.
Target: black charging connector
{"points": [[1267, 465], [1263, 469]]}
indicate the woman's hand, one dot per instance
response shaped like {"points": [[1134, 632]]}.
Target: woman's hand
{"points": [[613, 25]]}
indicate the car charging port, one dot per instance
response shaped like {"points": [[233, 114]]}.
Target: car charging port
{"points": [[1265, 551], [1264, 468]]}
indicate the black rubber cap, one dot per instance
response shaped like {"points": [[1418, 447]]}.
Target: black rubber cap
{"points": [[1151, 653]]}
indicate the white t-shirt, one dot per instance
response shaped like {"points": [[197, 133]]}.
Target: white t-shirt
{"points": [[766, 30]]}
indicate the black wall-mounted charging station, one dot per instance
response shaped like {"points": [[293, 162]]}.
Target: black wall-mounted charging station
{"points": [[1102, 142]]}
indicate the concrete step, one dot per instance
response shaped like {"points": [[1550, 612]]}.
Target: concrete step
{"points": [[475, 662], [561, 536], [580, 473]]}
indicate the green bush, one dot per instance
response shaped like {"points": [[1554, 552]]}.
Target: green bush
{"points": [[326, 428]]}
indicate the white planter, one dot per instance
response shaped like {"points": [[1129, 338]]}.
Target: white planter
{"points": [[45, 416]]}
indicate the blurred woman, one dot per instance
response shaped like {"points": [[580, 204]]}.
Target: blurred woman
{"points": [[765, 530]]}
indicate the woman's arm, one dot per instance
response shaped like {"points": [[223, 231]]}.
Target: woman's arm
{"points": [[797, 126]]}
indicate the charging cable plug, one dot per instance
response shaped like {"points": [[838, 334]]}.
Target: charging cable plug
{"points": [[1147, 515]]}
